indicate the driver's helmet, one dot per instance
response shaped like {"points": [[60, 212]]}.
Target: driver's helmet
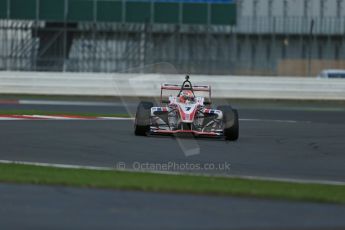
{"points": [[186, 96]]}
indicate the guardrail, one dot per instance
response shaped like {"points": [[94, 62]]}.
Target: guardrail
{"points": [[100, 84]]}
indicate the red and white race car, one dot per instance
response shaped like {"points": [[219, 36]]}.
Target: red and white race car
{"points": [[185, 112]]}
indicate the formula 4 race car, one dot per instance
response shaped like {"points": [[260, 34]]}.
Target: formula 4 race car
{"points": [[182, 111]]}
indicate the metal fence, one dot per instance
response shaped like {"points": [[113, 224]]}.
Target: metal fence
{"points": [[291, 25], [195, 49]]}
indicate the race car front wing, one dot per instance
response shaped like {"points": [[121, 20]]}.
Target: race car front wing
{"points": [[217, 133]]}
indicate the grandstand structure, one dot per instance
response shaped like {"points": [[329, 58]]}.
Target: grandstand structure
{"points": [[251, 37]]}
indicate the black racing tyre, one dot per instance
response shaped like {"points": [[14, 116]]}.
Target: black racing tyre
{"points": [[142, 118], [231, 124]]}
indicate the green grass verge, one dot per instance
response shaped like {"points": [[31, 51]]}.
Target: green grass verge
{"points": [[39, 112], [15, 173]]}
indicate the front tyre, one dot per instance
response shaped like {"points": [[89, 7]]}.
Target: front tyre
{"points": [[231, 123], [142, 118]]}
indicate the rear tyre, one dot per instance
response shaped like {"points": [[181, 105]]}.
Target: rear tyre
{"points": [[231, 124], [142, 118]]}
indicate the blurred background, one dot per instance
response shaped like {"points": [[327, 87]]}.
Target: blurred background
{"points": [[243, 37]]}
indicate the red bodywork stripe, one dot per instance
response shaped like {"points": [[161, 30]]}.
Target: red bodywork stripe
{"points": [[192, 115], [182, 114]]}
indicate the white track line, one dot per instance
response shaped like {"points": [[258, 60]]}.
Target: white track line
{"points": [[10, 119], [54, 117], [74, 103], [51, 117], [69, 166], [117, 118]]}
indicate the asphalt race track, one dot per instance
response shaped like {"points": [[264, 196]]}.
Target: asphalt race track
{"points": [[54, 207], [275, 142]]}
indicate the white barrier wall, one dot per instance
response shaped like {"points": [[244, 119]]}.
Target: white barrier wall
{"points": [[95, 84]]}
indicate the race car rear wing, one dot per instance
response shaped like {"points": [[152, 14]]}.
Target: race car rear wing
{"points": [[195, 88], [205, 88]]}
